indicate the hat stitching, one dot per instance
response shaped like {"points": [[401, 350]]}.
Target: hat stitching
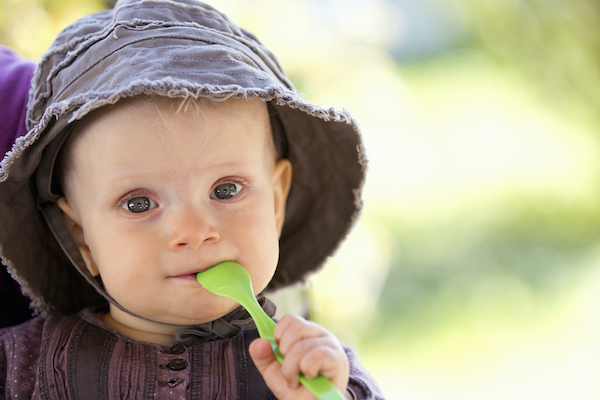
{"points": [[83, 46]]}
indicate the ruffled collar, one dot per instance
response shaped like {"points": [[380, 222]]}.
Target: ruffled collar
{"points": [[223, 328]]}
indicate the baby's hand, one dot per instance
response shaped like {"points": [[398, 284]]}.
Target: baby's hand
{"points": [[309, 349]]}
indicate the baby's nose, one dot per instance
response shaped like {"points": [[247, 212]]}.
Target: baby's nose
{"points": [[190, 229]]}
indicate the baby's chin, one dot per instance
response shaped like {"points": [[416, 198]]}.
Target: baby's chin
{"points": [[196, 318], [183, 316]]}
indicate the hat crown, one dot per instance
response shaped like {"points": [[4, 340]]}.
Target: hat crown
{"points": [[181, 12], [101, 55]]}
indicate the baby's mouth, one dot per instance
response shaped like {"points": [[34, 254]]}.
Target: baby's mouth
{"points": [[192, 272], [185, 276]]}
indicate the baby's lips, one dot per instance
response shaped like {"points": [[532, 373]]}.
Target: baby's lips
{"points": [[196, 268]]}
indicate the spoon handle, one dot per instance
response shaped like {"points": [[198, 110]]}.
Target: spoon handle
{"points": [[231, 280], [320, 386]]}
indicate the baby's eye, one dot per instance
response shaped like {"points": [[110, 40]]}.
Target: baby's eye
{"points": [[226, 191], [139, 204]]}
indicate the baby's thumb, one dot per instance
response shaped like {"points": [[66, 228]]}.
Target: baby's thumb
{"points": [[262, 355], [268, 366]]}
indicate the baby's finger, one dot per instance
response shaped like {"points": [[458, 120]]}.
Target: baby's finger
{"points": [[270, 369], [292, 329], [324, 360], [309, 356]]}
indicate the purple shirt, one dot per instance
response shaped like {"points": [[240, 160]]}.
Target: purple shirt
{"points": [[15, 81], [80, 357]]}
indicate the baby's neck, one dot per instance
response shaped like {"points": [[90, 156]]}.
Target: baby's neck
{"points": [[140, 330]]}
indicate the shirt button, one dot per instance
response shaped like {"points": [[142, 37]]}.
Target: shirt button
{"points": [[177, 364], [177, 348]]}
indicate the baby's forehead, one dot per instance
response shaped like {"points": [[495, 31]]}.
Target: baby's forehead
{"points": [[184, 108], [170, 113], [167, 116]]}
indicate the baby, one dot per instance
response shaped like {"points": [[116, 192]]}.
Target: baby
{"points": [[164, 139]]}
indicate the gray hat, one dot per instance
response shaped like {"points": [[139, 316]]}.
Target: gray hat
{"points": [[174, 49]]}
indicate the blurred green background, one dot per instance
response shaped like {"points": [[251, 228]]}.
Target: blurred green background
{"points": [[474, 272]]}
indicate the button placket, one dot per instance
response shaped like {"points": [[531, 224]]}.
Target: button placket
{"points": [[173, 377]]}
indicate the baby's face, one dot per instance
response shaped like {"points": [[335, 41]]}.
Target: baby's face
{"points": [[157, 195]]}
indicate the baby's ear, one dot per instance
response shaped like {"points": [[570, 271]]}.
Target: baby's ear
{"points": [[74, 225], [282, 181]]}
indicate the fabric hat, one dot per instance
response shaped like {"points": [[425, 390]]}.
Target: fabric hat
{"points": [[174, 49]]}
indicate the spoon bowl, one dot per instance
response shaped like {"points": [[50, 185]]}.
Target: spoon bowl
{"points": [[231, 280]]}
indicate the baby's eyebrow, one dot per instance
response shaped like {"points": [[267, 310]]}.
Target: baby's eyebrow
{"points": [[124, 179], [238, 160], [230, 164]]}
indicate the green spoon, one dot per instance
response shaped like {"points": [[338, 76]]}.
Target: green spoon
{"points": [[230, 279]]}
